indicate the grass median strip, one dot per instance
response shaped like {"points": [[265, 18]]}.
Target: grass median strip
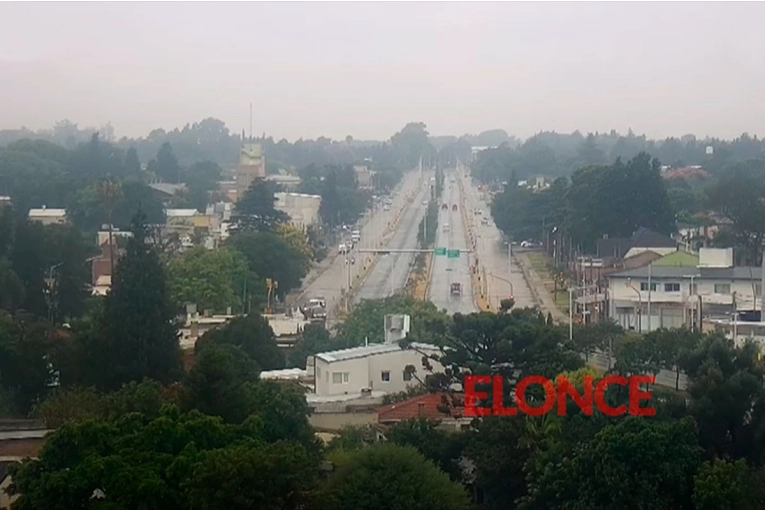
{"points": [[542, 265]]}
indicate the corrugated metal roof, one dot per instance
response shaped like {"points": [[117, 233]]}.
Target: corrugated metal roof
{"points": [[47, 213], [180, 212], [166, 187], [24, 434], [368, 350], [287, 373]]}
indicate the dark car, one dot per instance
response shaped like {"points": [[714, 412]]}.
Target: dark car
{"points": [[454, 207], [444, 206]]}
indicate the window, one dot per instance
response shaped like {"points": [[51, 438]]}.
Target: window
{"points": [[340, 377], [722, 288], [671, 287], [644, 286], [407, 375], [385, 376]]}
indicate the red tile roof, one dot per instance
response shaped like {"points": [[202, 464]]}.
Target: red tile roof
{"points": [[424, 406]]}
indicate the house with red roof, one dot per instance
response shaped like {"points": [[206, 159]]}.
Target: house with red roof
{"points": [[432, 406]]}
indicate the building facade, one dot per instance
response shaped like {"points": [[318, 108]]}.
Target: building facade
{"points": [[48, 216], [379, 367], [681, 295], [302, 209], [252, 165]]}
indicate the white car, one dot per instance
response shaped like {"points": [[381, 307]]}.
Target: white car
{"points": [[386, 208], [343, 248]]}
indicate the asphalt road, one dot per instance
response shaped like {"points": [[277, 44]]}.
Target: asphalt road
{"points": [[447, 271], [503, 281], [389, 275], [333, 281]]}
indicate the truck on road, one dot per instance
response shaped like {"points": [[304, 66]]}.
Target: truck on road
{"points": [[456, 289]]}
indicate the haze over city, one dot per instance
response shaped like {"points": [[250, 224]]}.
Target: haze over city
{"points": [[366, 69]]}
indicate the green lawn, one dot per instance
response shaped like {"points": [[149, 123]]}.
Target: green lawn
{"points": [[541, 265]]}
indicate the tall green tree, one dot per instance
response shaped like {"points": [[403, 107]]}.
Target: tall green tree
{"points": [[253, 335], [256, 210], [137, 336], [132, 163], [67, 252], [25, 372], [395, 477], [165, 165], [740, 196], [211, 279], [269, 255]]}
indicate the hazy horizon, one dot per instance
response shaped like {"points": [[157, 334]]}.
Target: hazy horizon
{"points": [[366, 69]]}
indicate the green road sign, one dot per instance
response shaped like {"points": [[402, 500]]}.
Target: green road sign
{"points": [[454, 254], [440, 251]]}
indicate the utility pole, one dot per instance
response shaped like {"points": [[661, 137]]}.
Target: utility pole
{"points": [[762, 290], [650, 285], [571, 313]]}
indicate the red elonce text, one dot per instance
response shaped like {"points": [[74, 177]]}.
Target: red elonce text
{"points": [[560, 396]]}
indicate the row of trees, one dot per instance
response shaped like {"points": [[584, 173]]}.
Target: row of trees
{"points": [[549, 153], [615, 200], [555, 154], [211, 140]]}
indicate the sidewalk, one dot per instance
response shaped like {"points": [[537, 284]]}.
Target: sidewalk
{"points": [[542, 297]]}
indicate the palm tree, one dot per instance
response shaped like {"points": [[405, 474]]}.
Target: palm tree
{"points": [[540, 431], [109, 192]]}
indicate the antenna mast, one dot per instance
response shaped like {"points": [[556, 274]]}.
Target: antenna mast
{"points": [[250, 122]]}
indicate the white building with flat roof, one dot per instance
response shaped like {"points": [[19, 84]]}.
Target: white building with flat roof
{"points": [[302, 209], [48, 216], [371, 368], [652, 297]]}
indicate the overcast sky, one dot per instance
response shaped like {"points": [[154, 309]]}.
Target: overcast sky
{"points": [[366, 69]]}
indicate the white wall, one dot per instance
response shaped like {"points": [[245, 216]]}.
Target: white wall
{"points": [[302, 209], [672, 309], [712, 291], [637, 251], [367, 373]]}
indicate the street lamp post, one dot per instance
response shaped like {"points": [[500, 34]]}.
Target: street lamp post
{"points": [[571, 313], [691, 292], [640, 306]]}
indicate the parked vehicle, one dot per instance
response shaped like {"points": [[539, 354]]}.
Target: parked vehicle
{"points": [[444, 206], [386, 207], [454, 207], [317, 301], [343, 248], [445, 228], [456, 289]]}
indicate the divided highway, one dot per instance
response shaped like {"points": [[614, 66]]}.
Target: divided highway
{"points": [[390, 273], [447, 271], [333, 280], [503, 279]]}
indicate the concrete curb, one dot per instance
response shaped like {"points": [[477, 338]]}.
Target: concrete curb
{"points": [[479, 295], [534, 285]]}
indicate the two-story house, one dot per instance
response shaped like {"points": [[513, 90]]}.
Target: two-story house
{"points": [[667, 296]]}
